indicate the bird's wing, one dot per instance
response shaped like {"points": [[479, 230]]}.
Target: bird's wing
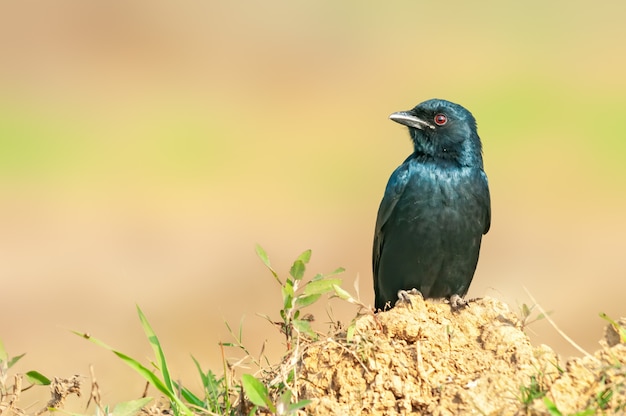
{"points": [[486, 198], [393, 192]]}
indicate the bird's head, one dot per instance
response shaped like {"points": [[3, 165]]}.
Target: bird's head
{"points": [[443, 130]]}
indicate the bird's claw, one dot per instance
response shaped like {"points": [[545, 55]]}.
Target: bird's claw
{"points": [[458, 303], [404, 296]]}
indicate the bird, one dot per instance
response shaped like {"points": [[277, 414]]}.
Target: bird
{"points": [[435, 209]]}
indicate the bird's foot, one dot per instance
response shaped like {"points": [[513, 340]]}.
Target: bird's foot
{"points": [[458, 303], [404, 296]]}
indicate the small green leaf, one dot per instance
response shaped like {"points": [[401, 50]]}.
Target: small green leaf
{"points": [[304, 327], [288, 288], [306, 300], [318, 276], [36, 377], [260, 252], [297, 269], [305, 257], [256, 391], [350, 332], [263, 256], [321, 286], [336, 271], [287, 299], [343, 294]]}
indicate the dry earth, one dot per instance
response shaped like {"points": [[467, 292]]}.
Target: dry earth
{"points": [[423, 358]]}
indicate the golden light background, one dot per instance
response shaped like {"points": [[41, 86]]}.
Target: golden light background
{"points": [[147, 146]]}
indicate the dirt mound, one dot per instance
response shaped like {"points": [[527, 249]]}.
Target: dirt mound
{"points": [[423, 358]]}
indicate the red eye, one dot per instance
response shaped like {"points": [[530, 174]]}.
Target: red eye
{"points": [[441, 119]]}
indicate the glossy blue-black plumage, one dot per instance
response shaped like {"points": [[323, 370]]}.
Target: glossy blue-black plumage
{"points": [[435, 209]]}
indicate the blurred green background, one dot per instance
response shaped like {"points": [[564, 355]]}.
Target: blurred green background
{"points": [[147, 146]]}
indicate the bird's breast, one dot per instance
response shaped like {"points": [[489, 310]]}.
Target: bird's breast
{"points": [[444, 197]]}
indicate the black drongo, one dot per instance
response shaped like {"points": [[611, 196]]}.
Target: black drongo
{"points": [[435, 210]]}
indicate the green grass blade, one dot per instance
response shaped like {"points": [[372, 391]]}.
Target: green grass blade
{"points": [[203, 377], [134, 364], [156, 348], [14, 360], [130, 408], [155, 381], [94, 340], [147, 374], [551, 407], [300, 405], [143, 372], [189, 396], [212, 387], [35, 377]]}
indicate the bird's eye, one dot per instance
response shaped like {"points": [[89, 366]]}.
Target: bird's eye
{"points": [[441, 119]]}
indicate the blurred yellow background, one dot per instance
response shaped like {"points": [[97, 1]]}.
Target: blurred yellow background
{"points": [[147, 146]]}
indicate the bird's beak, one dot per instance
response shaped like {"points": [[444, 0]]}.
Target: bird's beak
{"points": [[410, 120]]}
